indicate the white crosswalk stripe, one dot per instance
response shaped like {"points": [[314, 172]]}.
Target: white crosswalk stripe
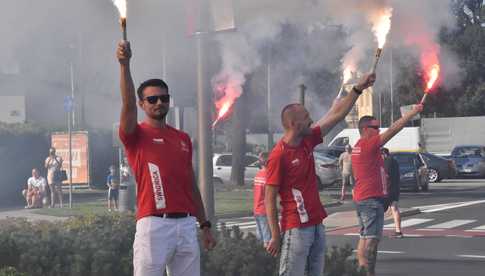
{"points": [[451, 224], [478, 229], [408, 223]]}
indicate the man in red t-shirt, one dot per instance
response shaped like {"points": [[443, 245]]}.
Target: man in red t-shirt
{"points": [[291, 174], [168, 198], [371, 187], [259, 210]]}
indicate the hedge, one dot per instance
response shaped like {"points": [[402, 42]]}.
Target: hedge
{"points": [[102, 245]]}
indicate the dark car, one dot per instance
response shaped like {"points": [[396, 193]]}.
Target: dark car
{"points": [[412, 170], [470, 160], [438, 167]]}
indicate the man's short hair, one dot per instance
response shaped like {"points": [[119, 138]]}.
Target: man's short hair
{"points": [[385, 151], [149, 83], [365, 121], [284, 110], [263, 157]]}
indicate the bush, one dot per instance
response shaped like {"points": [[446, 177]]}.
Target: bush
{"points": [[102, 245]]}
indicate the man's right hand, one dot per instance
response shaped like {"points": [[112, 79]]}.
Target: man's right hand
{"points": [[366, 81], [123, 52], [273, 246]]}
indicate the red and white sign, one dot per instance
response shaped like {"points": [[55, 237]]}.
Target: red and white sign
{"points": [[80, 155]]}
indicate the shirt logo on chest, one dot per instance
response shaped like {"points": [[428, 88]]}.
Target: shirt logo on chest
{"points": [[158, 141], [184, 146], [295, 162]]}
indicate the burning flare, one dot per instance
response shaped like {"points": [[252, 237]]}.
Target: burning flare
{"points": [[227, 89], [121, 5], [432, 76], [381, 25]]}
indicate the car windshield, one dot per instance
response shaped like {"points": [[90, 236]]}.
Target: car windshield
{"points": [[404, 160], [324, 157], [468, 152]]}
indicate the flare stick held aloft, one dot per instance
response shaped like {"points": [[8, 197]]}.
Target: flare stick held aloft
{"points": [[123, 28], [376, 60], [423, 99]]}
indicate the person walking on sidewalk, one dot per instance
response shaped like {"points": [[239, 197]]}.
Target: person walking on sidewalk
{"points": [[345, 165], [392, 168], [371, 187], [259, 210], [168, 199], [291, 174]]}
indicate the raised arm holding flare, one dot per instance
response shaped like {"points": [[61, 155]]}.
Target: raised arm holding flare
{"points": [[291, 175], [168, 199], [371, 187]]}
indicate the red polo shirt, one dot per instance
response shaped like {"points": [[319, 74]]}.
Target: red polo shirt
{"points": [[161, 159], [292, 169], [258, 192], [368, 169]]}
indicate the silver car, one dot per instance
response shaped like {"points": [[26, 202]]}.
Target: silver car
{"points": [[326, 167], [222, 165]]}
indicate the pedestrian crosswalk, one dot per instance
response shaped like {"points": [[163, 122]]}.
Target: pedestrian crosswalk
{"points": [[411, 227], [419, 227]]}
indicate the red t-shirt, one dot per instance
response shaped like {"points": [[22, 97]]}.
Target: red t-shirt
{"points": [[258, 191], [293, 170], [161, 159], [368, 169]]}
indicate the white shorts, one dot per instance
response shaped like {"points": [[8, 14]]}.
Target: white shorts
{"points": [[166, 243]]}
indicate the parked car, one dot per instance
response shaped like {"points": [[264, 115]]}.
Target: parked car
{"points": [[469, 159], [222, 165], [326, 168], [438, 167], [412, 170]]}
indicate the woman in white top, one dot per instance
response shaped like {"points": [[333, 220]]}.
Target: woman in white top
{"points": [[53, 164]]}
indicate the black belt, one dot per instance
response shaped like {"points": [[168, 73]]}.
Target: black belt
{"points": [[172, 215]]}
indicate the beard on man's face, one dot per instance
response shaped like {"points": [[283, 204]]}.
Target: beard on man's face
{"points": [[158, 115]]}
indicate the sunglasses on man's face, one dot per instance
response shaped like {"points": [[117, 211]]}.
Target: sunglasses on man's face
{"points": [[374, 127], [154, 99]]}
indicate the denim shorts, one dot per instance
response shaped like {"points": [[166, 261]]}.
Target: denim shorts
{"points": [[303, 251], [371, 218], [262, 228]]}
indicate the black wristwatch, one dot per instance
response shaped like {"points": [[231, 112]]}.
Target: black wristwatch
{"points": [[357, 91], [205, 224]]}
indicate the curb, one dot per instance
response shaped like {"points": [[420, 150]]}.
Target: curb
{"points": [[407, 213]]}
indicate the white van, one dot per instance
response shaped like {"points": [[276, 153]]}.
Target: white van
{"points": [[408, 139]]}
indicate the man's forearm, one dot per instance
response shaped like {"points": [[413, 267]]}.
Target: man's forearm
{"points": [[201, 217], [396, 127], [272, 213], [338, 111], [127, 87]]}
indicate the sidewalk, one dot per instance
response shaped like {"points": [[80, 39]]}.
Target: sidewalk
{"points": [[28, 214]]}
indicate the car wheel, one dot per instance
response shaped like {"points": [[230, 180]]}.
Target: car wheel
{"points": [[217, 182], [433, 175]]}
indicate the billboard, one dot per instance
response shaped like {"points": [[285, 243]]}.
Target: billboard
{"points": [[80, 155]]}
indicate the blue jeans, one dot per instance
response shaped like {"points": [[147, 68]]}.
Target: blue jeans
{"points": [[303, 249], [262, 228], [371, 218]]}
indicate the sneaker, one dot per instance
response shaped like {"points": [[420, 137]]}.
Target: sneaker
{"points": [[398, 235]]}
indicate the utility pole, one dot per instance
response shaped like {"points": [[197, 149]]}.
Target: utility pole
{"points": [[268, 96], [69, 129], [302, 94]]}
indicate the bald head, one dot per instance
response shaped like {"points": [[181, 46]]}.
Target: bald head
{"points": [[289, 114]]}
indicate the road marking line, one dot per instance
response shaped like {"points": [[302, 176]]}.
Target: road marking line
{"points": [[239, 223], [386, 252], [352, 234], [472, 256], [409, 222], [452, 206], [451, 224], [477, 229]]}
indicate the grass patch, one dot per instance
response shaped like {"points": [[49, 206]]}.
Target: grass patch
{"points": [[226, 203]]}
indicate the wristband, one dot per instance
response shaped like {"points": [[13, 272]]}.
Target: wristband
{"points": [[357, 91], [205, 224]]}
